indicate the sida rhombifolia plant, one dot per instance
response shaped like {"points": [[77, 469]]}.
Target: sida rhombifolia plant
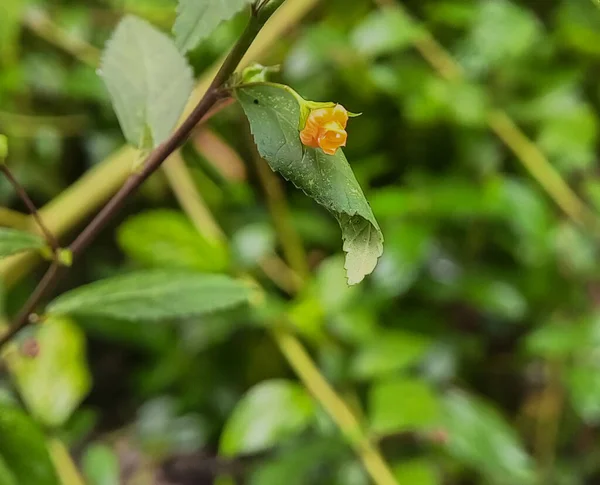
{"points": [[150, 83]]}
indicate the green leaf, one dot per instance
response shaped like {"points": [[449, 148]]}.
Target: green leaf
{"points": [[571, 137], [23, 449], [502, 32], [6, 476], [274, 114], [402, 404], [10, 28], [197, 19], [167, 238], [53, 383], [149, 81], [296, 465], [101, 465], [481, 438], [389, 352], [162, 430], [13, 241], [3, 147], [384, 31], [558, 339], [153, 295], [583, 384], [417, 472], [269, 413]]}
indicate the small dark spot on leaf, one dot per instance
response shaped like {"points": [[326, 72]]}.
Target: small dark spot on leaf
{"points": [[256, 101]]}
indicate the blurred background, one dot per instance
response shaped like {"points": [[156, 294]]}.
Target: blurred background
{"points": [[471, 355]]}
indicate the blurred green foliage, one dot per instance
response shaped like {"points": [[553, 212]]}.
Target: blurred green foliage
{"points": [[471, 355]]}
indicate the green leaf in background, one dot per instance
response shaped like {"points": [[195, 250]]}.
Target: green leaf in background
{"points": [[497, 297], [502, 32], [153, 295], [13, 241], [570, 137], [161, 430], [408, 245], [252, 243], [402, 404], [100, 465], [274, 114], [298, 464], [167, 238], [583, 384], [268, 414], [417, 472], [384, 31], [197, 19], [23, 449], [480, 437], [149, 81], [389, 352], [10, 28], [558, 339], [6, 476], [577, 26], [53, 383]]}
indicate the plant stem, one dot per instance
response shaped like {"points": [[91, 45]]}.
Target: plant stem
{"points": [[152, 163], [64, 464], [190, 199], [22, 193], [44, 287], [39, 23], [550, 408], [536, 163], [14, 219], [314, 381]]}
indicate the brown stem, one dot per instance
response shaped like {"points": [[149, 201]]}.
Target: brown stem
{"points": [[46, 284], [22, 193], [152, 163]]}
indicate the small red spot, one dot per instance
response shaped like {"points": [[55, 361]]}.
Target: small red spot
{"points": [[30, 348], [439, 436]]}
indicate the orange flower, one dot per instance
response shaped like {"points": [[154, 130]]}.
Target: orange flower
{"points": [[325, 129]]}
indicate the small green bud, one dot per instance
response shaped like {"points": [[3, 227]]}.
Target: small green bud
{"points": [[257, 73], [65, 257]]}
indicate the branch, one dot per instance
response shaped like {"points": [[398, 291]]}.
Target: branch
{"points": [[293, 350], [95, 187], [22, 193], [152, 163]]}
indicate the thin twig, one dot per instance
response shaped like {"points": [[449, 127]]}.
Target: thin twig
{"points": [[44, 287], [335, 406], [190, 199], [37, 21], [22, 193]]}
